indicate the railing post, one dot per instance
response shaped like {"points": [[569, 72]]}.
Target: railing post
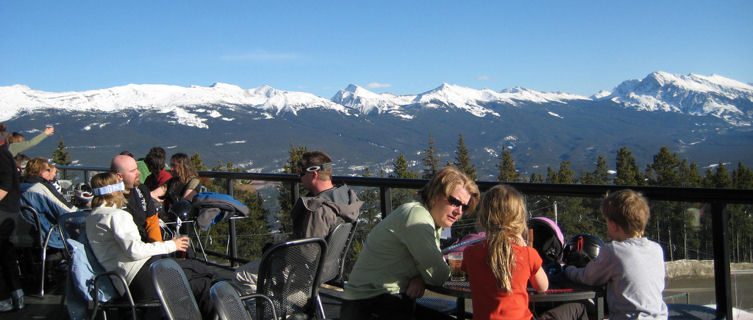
{"points": [[720, 227], [385, 197], [294, 193], [233, 234]]}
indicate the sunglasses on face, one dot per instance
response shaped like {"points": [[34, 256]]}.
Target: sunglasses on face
{"points": [[456, 203], [302, 172]]}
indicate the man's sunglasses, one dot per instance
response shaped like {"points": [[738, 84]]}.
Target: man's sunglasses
{"points": [[302, 171], [456, 203]]}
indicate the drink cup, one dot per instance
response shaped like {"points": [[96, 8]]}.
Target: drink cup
{"points": [[455, 259], [180, 254]]}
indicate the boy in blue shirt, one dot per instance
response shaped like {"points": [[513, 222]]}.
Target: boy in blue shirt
{"points": [[631, 266]]}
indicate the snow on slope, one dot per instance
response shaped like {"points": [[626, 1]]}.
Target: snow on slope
{"points": [[692, 94], [365, 101], [175, 100], [523, 94]]}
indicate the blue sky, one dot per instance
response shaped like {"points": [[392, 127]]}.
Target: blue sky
{"points": [[403, 47]]}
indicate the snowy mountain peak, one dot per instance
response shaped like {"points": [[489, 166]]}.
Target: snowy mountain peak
{"points": [[693, 94], [365, 101]]}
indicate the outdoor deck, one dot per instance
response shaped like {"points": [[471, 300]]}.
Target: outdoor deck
{"points": [[51, 306]]}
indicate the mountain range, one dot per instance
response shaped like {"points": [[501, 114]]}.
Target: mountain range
{"points": [[706, 119]]}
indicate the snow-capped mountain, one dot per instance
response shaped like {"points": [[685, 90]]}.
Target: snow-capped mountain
{"points": [[691, 94], [180, 102], [365, 101]]}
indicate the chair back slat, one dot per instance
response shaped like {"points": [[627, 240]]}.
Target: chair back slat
{"points": [[227, 302], [289, 274], [337, 245], [174, 291]]}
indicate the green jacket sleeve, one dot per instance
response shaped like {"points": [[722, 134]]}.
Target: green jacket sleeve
{"points": [[421, 239], [18, 147]]}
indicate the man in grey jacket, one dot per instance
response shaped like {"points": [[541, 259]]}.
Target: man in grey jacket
{"points": [[317, 215], [313, 216]]}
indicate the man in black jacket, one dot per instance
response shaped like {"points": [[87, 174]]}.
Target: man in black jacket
{"points": [[140, 204], [11, 294]]}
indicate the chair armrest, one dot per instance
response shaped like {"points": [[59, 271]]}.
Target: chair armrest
{"points": [[264, 297]]}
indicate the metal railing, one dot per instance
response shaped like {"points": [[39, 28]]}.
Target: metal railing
{"points": [[717, 198]]}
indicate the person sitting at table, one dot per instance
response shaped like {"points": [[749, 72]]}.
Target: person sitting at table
{"points": [[38, 192], [500, 267], [402, 254], [117, 245], [631, 266]]}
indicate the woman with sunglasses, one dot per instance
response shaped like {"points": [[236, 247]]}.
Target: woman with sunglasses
{"points": [[39, 192], [402, 254]]}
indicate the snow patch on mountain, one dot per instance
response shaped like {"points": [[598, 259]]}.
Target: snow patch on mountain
{"points": [[229, 142], [554, 115], [523, 94]]}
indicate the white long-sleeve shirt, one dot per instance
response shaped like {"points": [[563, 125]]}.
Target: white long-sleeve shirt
{"points": [[116, 243]]}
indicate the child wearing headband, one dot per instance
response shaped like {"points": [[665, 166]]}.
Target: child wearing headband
{"points": [[116, 243]]}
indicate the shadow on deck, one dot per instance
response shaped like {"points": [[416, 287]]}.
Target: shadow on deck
{"points": [[51, 306]]}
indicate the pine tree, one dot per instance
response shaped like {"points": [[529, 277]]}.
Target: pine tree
{"points": [[463, 161], [506, 166], [718, 178], [664, 171], [197, 163], [551, 175], [689, 176], [742, 177], [400, 170], [60, 156], [285, 196], [628, 173], [430, 160], [601, 174], [370, 210], [740, 222], [565, 175]]}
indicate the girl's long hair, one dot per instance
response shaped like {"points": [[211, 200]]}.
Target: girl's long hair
{"points": [[184, 169], [502, 214]]}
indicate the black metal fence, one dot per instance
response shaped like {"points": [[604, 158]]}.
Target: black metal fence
{"points": [[717, 198]]}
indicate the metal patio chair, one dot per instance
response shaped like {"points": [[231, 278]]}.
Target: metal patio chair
{"points": [[289, 275], [231, 306], [173, 290]]}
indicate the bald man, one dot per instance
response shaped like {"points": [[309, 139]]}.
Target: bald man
{"points": [[140, 204]]}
